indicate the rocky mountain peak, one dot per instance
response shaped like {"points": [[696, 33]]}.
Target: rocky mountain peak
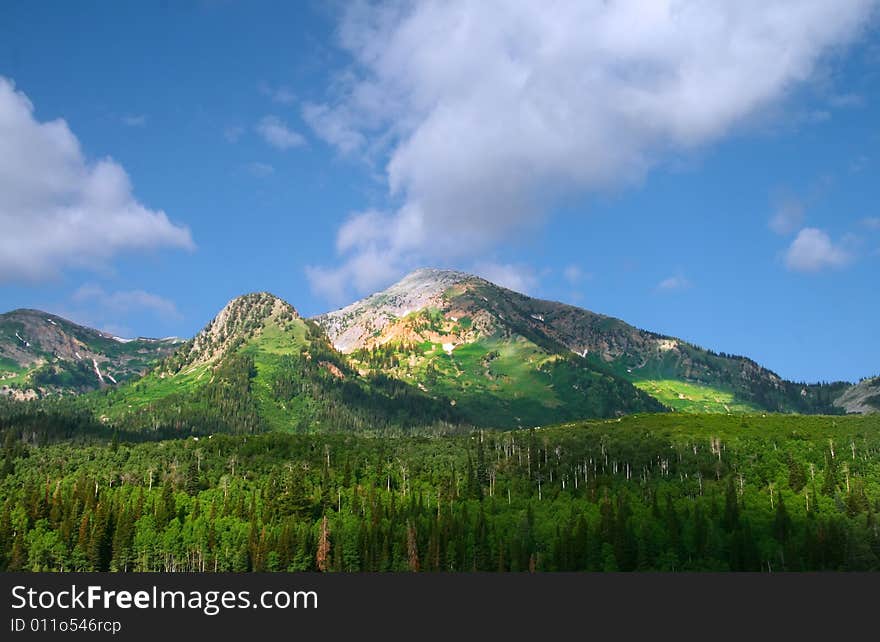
{"points": [[249, 309], [240, 319], [349, 327]]}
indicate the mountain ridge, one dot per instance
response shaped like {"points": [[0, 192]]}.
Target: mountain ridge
{"points": [[498, 357], [43, 354], [642, 357]]}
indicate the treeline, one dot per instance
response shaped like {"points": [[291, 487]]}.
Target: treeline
{"points": [[647, 493], [309, 391], [54, 419], [340, 399]]}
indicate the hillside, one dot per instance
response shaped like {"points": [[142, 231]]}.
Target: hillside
{"points": [[863, 398], [456, 335], [438, 347], [669, 492], [43, 354], [448, 330], [259, 366]]}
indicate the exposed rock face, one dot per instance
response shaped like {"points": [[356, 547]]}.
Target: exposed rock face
{"points": [[42, 353], [426, 306], [355, 325], [239, 320], [864, 397]]}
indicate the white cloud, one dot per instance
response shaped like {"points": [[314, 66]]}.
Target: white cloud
{"points": [[516, 277], [366, 271], [260, 170], [574, 274], [124, 302], [788, 216], [673, 284], [275, 132], [134, 120], [813, 250], [871, 222], [281, 94], [57, 209], [487, 112], [333, 127]]}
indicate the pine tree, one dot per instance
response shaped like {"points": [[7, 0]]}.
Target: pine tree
{"points": [[412, 548], [731, 506], [322, 556]]}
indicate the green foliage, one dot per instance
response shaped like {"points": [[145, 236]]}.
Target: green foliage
{"points": [[504, 382], [281, 374], [695, 398], [649, 492]]}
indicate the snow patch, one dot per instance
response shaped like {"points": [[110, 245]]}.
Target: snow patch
{"points": [[448, 348], [51, 321], [110, 377], [121, 340], [98, 371], [538, 317], [26, 343], [77, 355]]}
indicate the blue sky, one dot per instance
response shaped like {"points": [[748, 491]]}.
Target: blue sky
{"points": [[322, 151]]}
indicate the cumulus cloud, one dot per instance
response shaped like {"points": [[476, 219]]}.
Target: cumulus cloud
{"points": [[516, 277], [871, 222], [333, 127], [124, 302], [788, 216], [486, 112], [365, 271], [673, 284], [57, 209], [813, 250], [275, 132], [574, 274]]}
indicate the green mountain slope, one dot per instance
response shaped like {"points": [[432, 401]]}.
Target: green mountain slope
{"points": [[42, 354], [439, 347], [403, 330], [444, 332], [260, 366]]}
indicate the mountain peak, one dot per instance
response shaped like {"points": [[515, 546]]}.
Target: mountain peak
{"points": [[349, 327], [241, 318], [257, 305], [431, 274]]}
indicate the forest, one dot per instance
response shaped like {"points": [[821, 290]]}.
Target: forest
{"points": [[650, 492]]}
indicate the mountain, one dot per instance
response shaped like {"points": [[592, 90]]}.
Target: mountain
{"points": [[438, 347], [863, 398], [42, 354], [258, 365], [459, 334], [484, 347]]}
